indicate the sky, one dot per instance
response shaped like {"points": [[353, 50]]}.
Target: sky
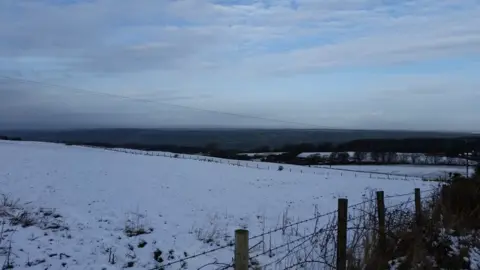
{"points": [[362, 64]]}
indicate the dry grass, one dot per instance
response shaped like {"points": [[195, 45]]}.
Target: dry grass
{"points": [[445, 237], [442, 239]]}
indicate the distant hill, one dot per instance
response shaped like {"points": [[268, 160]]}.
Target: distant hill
{"points": [[224, 138]]}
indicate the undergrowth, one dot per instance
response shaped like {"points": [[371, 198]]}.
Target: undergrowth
{"points": [[444, 235]]}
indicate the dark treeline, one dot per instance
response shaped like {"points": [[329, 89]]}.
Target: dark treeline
{"points": [[451, 147], [445, 146], [10, 138]]}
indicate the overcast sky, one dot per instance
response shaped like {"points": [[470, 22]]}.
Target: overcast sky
{"points": [[319, 63]]}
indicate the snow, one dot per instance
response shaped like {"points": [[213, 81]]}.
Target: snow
{"points": [[422, 171], [262, 154], [97, 192], [392, 172]]}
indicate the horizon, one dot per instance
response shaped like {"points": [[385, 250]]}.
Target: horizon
{"points": [[359, 65], [235, 128]]}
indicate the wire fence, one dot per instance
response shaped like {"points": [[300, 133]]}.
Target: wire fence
{"points": [[317, 249], [324, 171], [322, 240]]}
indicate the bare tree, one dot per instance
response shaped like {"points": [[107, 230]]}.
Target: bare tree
{"points": [[332, 157], [391, 157], [360, 156], [414, 157], [437, 159], [429, 159], [343, 157], [402, 158], [383, 157], [376, 156]]}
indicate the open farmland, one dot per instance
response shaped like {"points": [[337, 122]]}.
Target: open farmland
{"points": [[95, 198]]}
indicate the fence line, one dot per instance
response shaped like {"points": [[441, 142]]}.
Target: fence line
{"points": [[245, 257], [344, 229], [243, 254], [304, 169]]}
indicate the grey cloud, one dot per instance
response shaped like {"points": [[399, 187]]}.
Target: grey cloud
{"points": [[97, 36], [29, 105], [88, 36], [108, 38], [392, 48]]}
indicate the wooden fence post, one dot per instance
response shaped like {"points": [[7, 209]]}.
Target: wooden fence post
{"points": [[342, 234], [241, 250], [418, 208], [382, 239]]}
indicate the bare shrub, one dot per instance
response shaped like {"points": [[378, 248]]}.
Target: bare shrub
{"points": [[19, 215], [302, 248], [216, 233], [23, 218], [136, 225], [444, 237]]}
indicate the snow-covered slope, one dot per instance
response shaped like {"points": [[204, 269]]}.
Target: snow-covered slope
{"points": [[189, 206]]}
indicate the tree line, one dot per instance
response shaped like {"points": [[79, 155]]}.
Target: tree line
{"points": [[380, 150], [445, 146]]}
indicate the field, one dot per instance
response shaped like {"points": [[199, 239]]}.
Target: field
{"points": [[423, 171], [95, 198], [391, 172]]}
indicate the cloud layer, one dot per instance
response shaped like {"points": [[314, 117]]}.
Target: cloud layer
{"points": [[246, 57]]}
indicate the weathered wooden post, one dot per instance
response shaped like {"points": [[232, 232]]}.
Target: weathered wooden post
{"points": [[418, 208], [342, 234], [241, 249], [382, 240]]}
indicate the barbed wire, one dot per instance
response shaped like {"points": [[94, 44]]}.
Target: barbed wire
{"points": [[326, 214], [302, 239], [303, 262], [291, 250], [288, 243], [197, 255], [385, 197], [224, 267], [307, 237], [293, 224]]}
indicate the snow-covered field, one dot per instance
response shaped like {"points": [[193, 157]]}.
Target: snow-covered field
{"points": [[185, 206], [427, 171], [391, 172]]}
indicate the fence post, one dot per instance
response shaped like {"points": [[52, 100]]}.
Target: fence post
{"points": [[382, 240], [241, 250], [342, 234], [418, 208]]}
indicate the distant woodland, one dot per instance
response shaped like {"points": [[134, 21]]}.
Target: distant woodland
{"points": [[380, 150]]}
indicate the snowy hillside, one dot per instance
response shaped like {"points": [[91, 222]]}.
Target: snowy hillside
{"points": [[90, 200]]}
